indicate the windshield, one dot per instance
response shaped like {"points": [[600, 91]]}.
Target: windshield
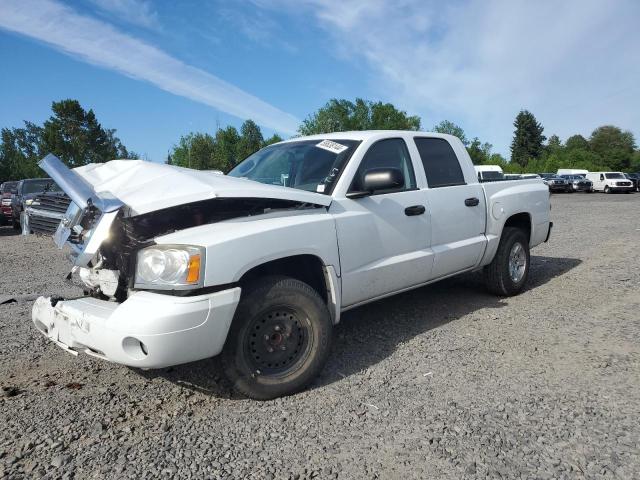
{"points": [[614, 175], [311, 165], [37, 186], [9, 187]]}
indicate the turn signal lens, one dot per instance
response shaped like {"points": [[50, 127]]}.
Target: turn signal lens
{"points": [[193, 271]]}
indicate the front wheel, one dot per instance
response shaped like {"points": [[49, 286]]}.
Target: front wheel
{"points": [[607, 189], [507, 273], [279, 339]]}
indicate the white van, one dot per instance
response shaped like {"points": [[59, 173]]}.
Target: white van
{"points": [[572, 171], [489, 173], [609, 182]]}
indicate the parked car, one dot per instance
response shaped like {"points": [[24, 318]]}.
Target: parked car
{"points": [[257, 265], [26, 190], [610, 182], [512, 176], [530, 175], [45, 212], [7, 190], [558, 184], [546, 176], [635, 178], [489, 173], [579, 183]]}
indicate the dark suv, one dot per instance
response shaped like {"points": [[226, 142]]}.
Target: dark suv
{"points": [[25, 193], [7, 190], [635, 178]]}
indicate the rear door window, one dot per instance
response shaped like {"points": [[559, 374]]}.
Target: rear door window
{"points": [[440, 162]]}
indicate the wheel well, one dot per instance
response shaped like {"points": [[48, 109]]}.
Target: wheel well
{"points": [[521, 221], [306, 268]]}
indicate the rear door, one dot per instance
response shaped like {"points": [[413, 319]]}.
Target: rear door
{"points": [[383, 238], [457, 209]]}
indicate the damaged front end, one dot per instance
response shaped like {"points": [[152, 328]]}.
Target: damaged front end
{"points": [[128, 314]]}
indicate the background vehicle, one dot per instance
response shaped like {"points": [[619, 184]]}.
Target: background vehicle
{"points": [[635, 178], [610, 182], [259, 264], [489, 173], [558, 184], [530, 175], [572, 171], [7, 190], [512, 176], [26, 190], [579, 183]]}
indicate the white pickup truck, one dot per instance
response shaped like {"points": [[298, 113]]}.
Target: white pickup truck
{"points": [[180, 265]]}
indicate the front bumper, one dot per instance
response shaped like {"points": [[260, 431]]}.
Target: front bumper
{"points": [[6, 213], [148, 330]]}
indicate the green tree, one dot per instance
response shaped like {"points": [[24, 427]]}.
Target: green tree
{"points": [[527, 138], [577, 142], [445, 126], [613, 146], [226, 151], [275, 138], [344, 115], [251, 140], [77, 138], [479, 152]]}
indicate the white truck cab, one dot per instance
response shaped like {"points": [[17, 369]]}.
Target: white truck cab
{"points": [[610, 182], [257, 265], [489, 173], [572, 171]]}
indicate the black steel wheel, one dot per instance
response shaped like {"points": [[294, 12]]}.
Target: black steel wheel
{"points": [[279, 339]]}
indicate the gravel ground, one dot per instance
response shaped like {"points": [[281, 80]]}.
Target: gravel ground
{"points": [[442, 382]]}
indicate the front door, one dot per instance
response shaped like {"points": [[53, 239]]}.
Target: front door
{"points": [[383, 238]]}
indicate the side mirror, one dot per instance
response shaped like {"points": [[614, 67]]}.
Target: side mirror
{"points": [[379, 179]]}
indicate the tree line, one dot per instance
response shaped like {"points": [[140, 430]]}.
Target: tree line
{"points": [[77, 138], [71, 133]]}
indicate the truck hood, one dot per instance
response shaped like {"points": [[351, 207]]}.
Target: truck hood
{"points": [[145, 186]]}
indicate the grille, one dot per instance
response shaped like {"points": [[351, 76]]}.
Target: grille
{"points": [[624, 184], [54, 203], [43, 225]]}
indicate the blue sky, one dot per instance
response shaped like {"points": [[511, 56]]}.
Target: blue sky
{"points": [[158, 70]]}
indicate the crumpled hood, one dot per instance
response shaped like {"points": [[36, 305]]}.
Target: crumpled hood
{"points": [[145, 186]]}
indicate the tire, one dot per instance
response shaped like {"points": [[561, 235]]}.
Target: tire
{"points": [[275, 315], [497, 274], [607, 189]]}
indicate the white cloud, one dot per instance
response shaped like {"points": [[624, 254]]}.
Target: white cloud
{"points": [[572, 63], [137, 12], [101, 44]]}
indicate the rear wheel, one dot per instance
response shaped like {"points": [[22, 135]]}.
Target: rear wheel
{"points": [[279, 339], [507, 274]]}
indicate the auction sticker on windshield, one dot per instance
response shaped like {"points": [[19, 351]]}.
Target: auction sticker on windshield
{"points": [[332, 146]]}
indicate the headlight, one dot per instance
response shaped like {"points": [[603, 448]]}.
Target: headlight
{"points": [[28, 202], [170, 267]]}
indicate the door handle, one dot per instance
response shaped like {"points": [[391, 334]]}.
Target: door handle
{"points": [[472, 202], [414, 210]]}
